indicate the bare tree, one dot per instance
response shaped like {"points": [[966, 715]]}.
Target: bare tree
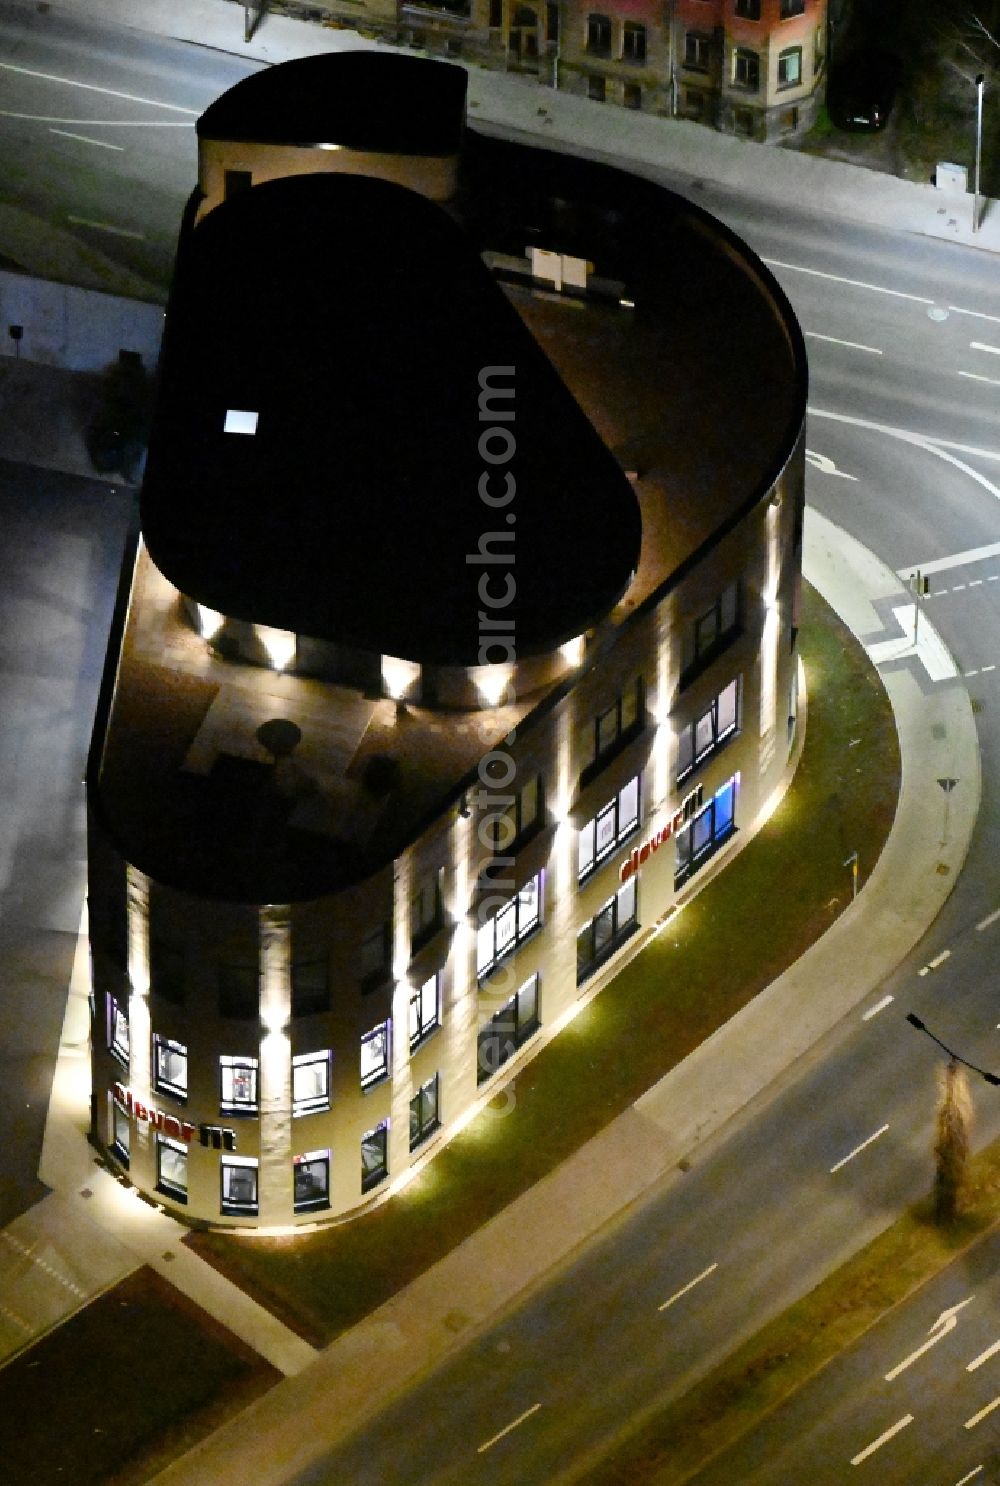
{"points": [[951, 1142]]}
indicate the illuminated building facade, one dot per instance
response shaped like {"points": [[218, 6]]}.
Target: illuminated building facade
{"points": [[459, 644]]}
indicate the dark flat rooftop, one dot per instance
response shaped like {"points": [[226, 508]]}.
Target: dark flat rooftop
{"points": [[361, 99], [348, 514]]}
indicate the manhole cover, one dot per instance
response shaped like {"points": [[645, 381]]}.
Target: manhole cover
{"points": [[937, 313]]}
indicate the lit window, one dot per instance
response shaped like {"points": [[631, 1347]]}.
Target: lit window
{"points": [[424, 1115], [120, 1132], [310, 1082], [507, 1029], [239, 420], [374, 1156], [698, 740], [311, 1181], [375, 1055], [170, 1067], [710, 829], [506, 929], [118, 1039], [790, 67], [601, 836], [424, 1010], [239, 1184], [171, 1168], [239, 1084]]}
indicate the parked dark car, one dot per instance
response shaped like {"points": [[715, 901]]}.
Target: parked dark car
{"points": [[862, 89]]}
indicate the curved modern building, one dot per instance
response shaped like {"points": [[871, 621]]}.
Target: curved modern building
{"points": [[457, 648]]}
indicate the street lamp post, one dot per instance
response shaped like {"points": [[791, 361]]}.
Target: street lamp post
{"points": [[980, 82], [914, 1021]]}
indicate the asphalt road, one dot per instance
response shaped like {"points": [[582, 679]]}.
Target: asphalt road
{"points": [[904, 337]]}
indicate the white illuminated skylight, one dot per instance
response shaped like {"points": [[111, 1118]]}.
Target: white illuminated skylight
{"points": [[238, 420]]}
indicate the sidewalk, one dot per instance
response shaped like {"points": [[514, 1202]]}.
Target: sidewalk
{"points": [[563, 121]]}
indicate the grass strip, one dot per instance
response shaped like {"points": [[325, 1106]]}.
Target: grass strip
{"points": [[685, 984], [135, 1378], [680, 1439]]}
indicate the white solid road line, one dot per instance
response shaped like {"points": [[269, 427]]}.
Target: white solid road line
{"points": [[875, 1444], [976, 1418], [85, 140], [957, 560], [971, 1475], [7, 113], [982, 346], [990, 918], [879, 1006], [837, 278], [983, 1357], [975, 377], [507, 1429], [107, 227], [70, 82], [689, 1286], [858, 1149], [836, 341], [976, 314]]}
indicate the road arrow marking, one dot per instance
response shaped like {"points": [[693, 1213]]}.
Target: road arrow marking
{"points": [[689, 1286], [825, 464], [983, 1357], [947, 1321], [875, 1444]]}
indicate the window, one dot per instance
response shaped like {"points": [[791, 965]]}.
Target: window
{"points": [[599, 35], [748, 9], [238, 1084], [607, 930], [239, 991], [552, 21], [375, 1055], [166, 972], [239, 1185], [515, 816], [310, 1082], [426, 914], [119, 1132], [746, 69], [632, 95], [597, 88], [170, 1067], [171, 1168], [790, 67], [633, 42], [118, 1040], [375, 1156], [424, 1116], [697, 53], [699, 740], [504, 1033], [310, 987], [311, 1181], [694, 103], [710, 633], [709, 829], [375, 957], [790, 8], [611, 729], [744, 122], [424, 1012], [496, 14], [506, 929], [601, 836]]}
